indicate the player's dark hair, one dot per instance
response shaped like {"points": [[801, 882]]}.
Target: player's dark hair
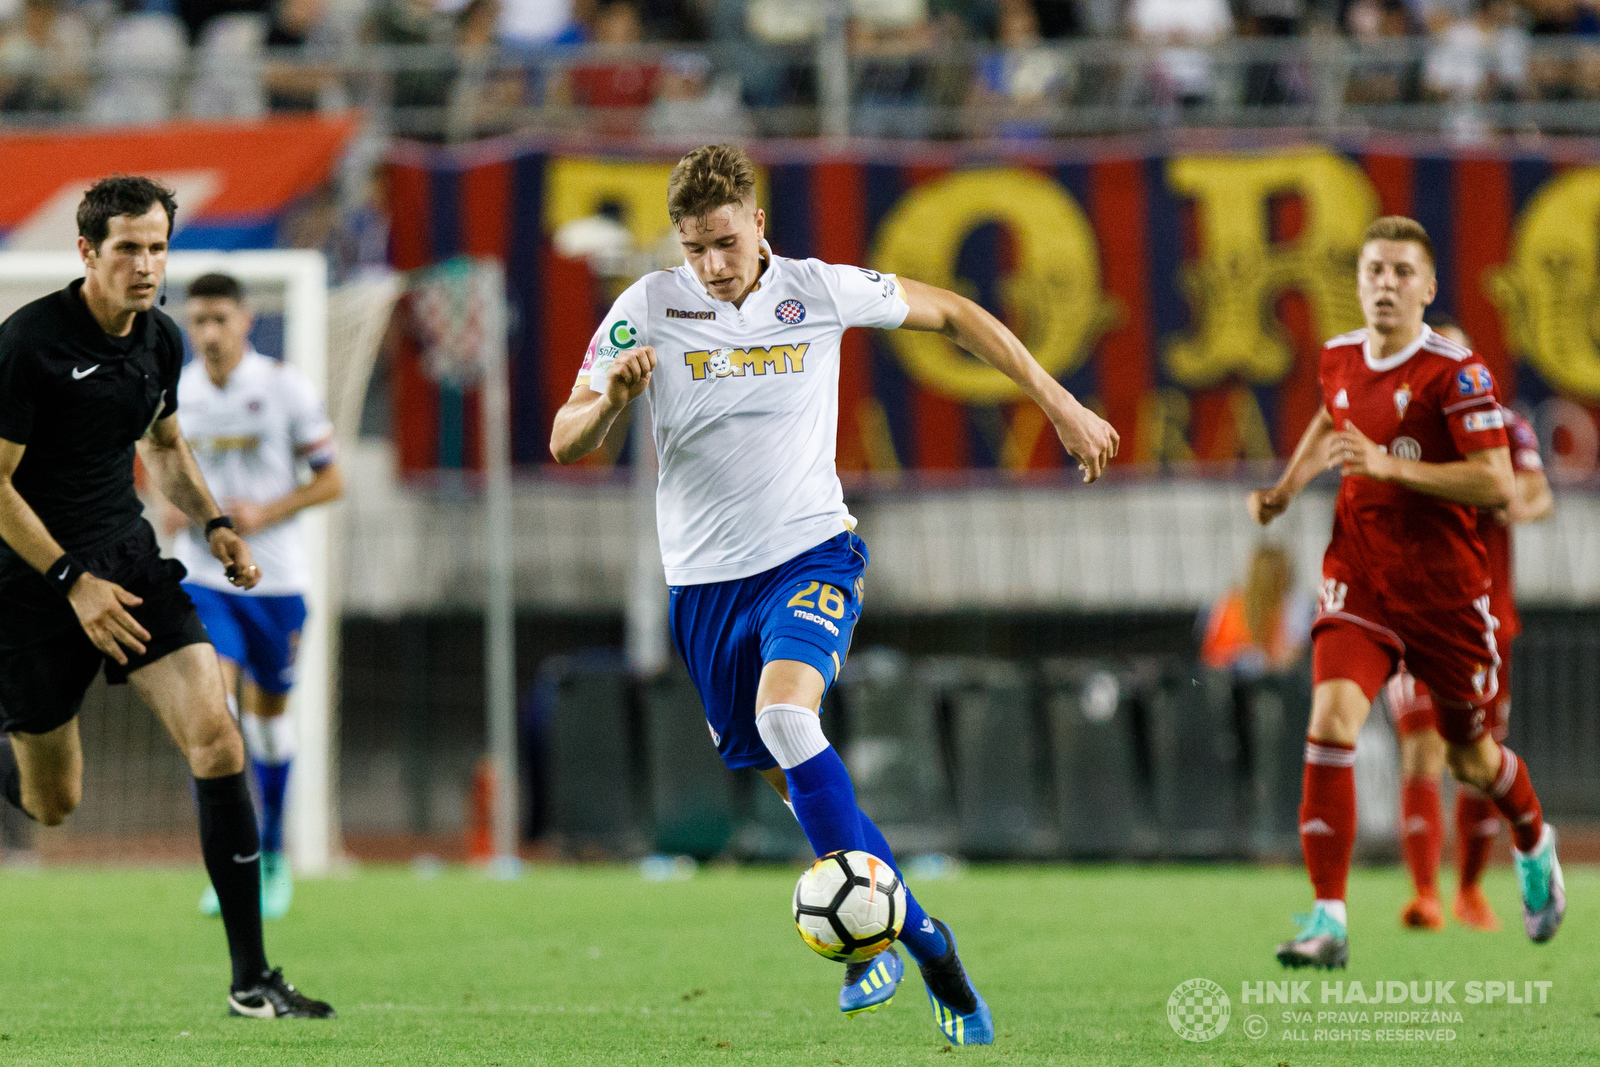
{"points": [[1400, 228], [710, 177], [121, 194], [217, 284]]}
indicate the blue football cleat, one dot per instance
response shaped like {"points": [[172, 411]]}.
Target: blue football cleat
{"points": [[870, 984], [1544, 891], [958, 1010]]}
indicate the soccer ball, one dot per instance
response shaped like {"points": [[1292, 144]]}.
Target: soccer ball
{"points": [[849, 906]]}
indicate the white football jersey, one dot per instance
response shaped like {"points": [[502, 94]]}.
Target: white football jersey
{"points": [[745, 407], [249, 438]]}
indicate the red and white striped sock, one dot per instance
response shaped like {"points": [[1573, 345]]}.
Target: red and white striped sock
{"points": [[1477, 825], [1513, 794], [1328, 816], [1421, 831]]}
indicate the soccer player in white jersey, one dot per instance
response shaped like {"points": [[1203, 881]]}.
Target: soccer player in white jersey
{"points": [[252, 423], [738, 352]]}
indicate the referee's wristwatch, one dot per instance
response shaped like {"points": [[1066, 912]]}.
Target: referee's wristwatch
{"points": [[221, 522]]}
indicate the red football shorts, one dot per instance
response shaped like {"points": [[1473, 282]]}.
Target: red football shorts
{"points": [[1450, 651], [1411, 708]]}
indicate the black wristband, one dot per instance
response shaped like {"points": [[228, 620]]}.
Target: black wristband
{"points": [[64, 573], [221, 522]]}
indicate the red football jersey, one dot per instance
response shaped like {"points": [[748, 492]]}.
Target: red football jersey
{"points": [[1432, 402], [1496, 535]]}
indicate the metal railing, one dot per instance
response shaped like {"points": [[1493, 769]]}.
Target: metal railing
{"points": [[960, 91]]}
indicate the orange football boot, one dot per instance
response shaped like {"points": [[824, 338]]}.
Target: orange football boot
{"points": [[1472, 910], [1424, 912]]}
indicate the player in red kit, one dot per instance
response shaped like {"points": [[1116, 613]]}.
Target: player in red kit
{"points": [[1422, 750], [1414, 423]]}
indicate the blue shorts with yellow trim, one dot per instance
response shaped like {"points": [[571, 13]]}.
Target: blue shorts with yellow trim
{"points": [[805, 609]]}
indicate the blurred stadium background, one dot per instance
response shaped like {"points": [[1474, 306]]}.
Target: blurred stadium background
{"points": [[1164, 198]]}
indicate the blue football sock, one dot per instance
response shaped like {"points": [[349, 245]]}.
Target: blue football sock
{"points": [[920, 937], [825, 803], [273, 778]]}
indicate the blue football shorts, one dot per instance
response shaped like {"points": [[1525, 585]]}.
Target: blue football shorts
{"points": [[260, 633], [805, 609]]}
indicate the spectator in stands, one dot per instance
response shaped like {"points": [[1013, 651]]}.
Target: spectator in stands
{"points": [[1385, 79], [301, 83], [1267, 84], [890, 41], [416, 22], [617, 91], [527, 24], [690, 106], [1474, 55], [1183, 30], [1019, 87], [197, 13], [1556, 76], [484, 97], [1261, 627], [44, 58], [1253, 634]]}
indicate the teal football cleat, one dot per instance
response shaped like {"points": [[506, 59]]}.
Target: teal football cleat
{"points": [[870, 984], [209, 905], [958, 1011], [1322, 943], [277, 885], [1544, 891]]}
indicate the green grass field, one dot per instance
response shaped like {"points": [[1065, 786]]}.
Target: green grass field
{"points": [[596, 966]]}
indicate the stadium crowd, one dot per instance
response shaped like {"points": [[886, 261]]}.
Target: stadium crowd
{"points": [[710, 67]]}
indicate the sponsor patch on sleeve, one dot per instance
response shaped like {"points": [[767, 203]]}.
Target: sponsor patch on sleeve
{"points": [[1474, 380], [1479, 421]]}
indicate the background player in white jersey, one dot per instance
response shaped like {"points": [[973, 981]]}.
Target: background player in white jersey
{"points": [[251, 423], [738, 352]]}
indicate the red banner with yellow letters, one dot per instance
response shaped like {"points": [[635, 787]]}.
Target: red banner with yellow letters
{"points": [[1185, 294]]}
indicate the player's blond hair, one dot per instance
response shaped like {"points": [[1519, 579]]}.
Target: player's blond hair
{"points": [[710, 177], [1400, 228]]}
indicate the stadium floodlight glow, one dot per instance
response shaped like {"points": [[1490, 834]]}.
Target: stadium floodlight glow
{"points": [[301, 277]]}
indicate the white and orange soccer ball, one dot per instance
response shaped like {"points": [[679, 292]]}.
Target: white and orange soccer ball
{"points": [[849, 906]]}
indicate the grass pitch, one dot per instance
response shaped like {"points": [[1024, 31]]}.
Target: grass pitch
{"points": [[595, 966]]}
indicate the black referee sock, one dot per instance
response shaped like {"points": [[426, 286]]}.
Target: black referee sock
{"points": [[232, 849], [11, 776]]}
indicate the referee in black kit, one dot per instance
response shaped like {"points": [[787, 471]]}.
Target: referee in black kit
{"points": [[86, 373]]}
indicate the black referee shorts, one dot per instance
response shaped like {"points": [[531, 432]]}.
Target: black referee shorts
{"points": [[46, 660]]}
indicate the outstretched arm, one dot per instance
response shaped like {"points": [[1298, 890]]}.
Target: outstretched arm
{"points": [[167, 455], [1309, 460], [1087, 437]]}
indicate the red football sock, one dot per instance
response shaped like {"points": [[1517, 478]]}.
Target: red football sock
{"points": [[1514, 796], [1328, 816], [1421, 831], [1477, 824]]}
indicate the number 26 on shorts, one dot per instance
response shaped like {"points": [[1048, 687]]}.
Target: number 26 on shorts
{"points": [[829, 601]]}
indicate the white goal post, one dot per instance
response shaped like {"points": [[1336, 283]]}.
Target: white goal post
{"points": [[302, 277]]}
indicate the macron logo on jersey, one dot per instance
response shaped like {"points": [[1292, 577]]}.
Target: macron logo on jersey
{"points": [[733, 362], [674, 313]]}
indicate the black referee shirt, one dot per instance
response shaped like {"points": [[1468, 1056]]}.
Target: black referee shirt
{"points": [[79, 398]]}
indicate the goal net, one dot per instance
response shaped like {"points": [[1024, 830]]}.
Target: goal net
{"points": [[137, 801]]}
